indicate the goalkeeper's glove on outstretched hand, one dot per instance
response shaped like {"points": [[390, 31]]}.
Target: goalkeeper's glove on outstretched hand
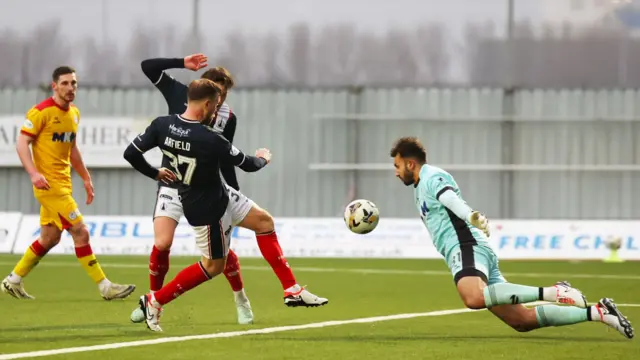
{"points": [[480, 221]]}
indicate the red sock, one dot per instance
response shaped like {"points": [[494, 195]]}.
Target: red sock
{"points": [[232, 271], [158, 268], [271, 251], [186, 280], [38, 249]]}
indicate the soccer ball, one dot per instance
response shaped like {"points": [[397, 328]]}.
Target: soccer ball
{"points": [[361, 216]]}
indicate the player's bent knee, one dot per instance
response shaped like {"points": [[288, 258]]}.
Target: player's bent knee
{"points": [[258, 220], [265, 222], [80, 234], [471, 290], [50, 236], [213, 267], [164, 229], [474, 301], [163, 242]]}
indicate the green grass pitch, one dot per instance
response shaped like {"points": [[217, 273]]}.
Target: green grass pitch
{"points": [[68, 312]]}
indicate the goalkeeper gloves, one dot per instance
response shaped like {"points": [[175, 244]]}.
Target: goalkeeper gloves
{"points": [[479, 221]]}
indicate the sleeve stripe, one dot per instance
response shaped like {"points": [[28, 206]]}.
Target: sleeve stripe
{"points": [[134, 145], [243, 159], [160, 78], [442, 191], [27, 133]]}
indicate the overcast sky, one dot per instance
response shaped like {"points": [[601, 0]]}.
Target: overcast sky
{"points": [[81, 17]]}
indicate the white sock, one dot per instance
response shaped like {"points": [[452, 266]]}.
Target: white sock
{"points": [[595, 314], [104, 283], [550, 293], [294, 289], [155, 302], [240, 296], [15, 279]]}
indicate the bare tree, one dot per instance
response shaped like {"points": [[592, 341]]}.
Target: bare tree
{"points": [[299, 54], [237, 57], [45, 49], [273, 71], [11, 49], [336, 55], [482, 53], [430, 53], [143, 45]]}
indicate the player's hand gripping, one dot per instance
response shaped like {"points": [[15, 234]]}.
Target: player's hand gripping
{"points": [[88, 187], [39, 181], [166, 176], [480, 221], [195, 62], [264, 153]]}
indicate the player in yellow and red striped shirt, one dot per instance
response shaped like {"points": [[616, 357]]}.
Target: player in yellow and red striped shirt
{"points": [[50, 128]]}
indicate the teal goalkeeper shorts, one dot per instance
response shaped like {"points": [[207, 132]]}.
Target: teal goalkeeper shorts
{"points": [[474, 260]]}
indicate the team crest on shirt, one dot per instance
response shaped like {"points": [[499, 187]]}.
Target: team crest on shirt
{"points": [[74, 214], [28, 124]]}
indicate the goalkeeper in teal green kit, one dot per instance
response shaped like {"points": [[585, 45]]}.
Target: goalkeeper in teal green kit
{"points": [[460, 234]]}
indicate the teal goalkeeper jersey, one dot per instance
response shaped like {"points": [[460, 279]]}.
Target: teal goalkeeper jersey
{"points": [[446, 229]]}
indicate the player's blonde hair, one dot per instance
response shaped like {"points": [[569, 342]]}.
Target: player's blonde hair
{"points": [[203, 89]]}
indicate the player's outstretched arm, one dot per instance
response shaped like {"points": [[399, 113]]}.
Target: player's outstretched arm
{"points": [[231, 154], [153, 68], [452, 201]]}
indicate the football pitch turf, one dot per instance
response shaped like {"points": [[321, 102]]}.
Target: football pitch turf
{"points": [[69, 313]]}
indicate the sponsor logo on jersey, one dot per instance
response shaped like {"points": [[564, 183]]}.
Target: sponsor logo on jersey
{"points": [[64, 137], [178, 131]]}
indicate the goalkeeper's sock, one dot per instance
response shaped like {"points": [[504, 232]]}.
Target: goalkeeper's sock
{"points": [[505, 293], [29, 260], [271, 251], [554, 315], [90, 264]]}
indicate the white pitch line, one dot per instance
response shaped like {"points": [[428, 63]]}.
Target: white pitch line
{"points": [[368, 271], [271, 330]]}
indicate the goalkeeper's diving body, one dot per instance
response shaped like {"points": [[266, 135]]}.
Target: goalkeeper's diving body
{"points": [[460, 234]]}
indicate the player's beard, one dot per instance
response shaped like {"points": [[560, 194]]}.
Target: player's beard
{"points": [[209, 118], [407, 178], [67, 96]]}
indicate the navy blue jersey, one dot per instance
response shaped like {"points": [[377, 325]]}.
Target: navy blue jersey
{"points": [[194, 153], [175, 94]]}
